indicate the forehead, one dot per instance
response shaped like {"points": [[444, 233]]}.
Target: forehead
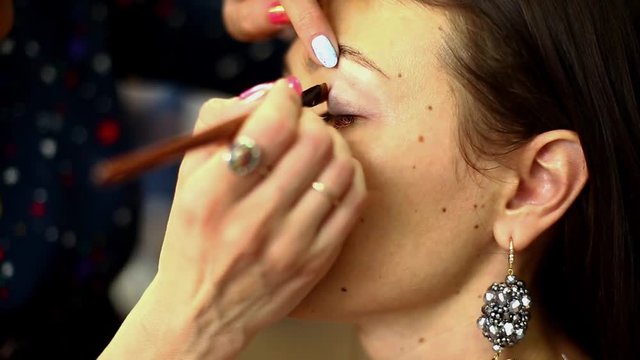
{"points": [[389, 31]]}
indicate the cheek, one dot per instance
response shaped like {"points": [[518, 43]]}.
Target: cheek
{"points": [[419, 217]]}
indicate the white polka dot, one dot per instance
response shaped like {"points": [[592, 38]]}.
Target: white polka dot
{"points": [[7, 46], [261, 51], [101, 63], [79, 135], [48, 148], [7, 269], [40, 195], [48, 74], [51, 234], [122, 217], [68, 239], [11, 176], [32, 49]]}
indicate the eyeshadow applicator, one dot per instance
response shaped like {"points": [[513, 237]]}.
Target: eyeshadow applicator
{"points": [[130, 165]]}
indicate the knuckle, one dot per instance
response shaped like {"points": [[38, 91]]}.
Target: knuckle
{"points": [[308, 19], [279, 263], [208, 111], [313, 269], [211, 106], [191, 216], [277, 125], [235, 231]]}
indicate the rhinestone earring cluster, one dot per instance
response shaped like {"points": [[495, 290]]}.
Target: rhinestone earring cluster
{"points": [[505, 313]]}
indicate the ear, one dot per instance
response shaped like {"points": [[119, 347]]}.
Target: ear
{"points": [[549, 173]]}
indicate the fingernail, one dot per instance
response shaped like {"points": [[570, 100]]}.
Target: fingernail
{"points": [[277, 14], [294, 84], [256, 92], [324, 51]]}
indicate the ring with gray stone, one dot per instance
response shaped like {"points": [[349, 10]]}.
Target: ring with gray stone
{"points": [[243, 156]]}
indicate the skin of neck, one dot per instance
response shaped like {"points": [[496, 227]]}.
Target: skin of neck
{"points": [[448, 330]]}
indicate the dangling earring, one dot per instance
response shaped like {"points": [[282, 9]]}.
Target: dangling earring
{"points": [[505, 313]]}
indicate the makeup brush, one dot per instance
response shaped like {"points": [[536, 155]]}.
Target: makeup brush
{"points": [[130, 165]]}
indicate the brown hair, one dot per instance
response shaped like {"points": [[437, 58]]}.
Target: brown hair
{"points": [[529, 66]]}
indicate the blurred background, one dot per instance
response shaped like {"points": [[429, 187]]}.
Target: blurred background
{"points": [[82, 81]]}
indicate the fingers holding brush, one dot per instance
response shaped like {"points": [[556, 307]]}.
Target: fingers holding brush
{"points": [[244, 246], [264, 137]]}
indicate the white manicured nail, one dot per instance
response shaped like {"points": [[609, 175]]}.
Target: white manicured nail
{"points": [[324, 51]]}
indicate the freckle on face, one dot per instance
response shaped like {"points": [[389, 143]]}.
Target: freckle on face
{"points": [[421, 138]]}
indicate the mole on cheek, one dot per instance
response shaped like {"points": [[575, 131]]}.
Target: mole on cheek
{"points": [[399, 75], [421, 138], [477, 226], [444, 210], [343, 289], [421, 340], [430, 107]]}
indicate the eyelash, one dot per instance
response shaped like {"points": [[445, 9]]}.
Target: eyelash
{"points": [[338, 121]]}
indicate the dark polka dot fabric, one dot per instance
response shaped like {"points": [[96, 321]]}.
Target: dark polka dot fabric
{"points": [[62, 239]]}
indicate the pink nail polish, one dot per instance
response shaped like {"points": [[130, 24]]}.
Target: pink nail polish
{"points": [[277, 14], [294, 83], [256, 92]]}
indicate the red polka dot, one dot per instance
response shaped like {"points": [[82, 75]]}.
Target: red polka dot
{"points": [[164, 8], [71, 79], [38, 209], [68, 179], [9, 151], [124, 3], [61, 108], [108, 132], [97, 255]]}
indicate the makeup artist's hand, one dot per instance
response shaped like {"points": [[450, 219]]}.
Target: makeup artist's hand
{"points": [[250, 20], [241, 252]]}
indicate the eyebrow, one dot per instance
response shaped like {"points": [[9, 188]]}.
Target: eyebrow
{"points": [[360, 58], [347, 52]]}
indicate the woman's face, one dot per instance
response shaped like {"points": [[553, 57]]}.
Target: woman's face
{"points": [[429, 217]]}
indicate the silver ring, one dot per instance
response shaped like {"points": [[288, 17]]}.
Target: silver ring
{"points": [[324, 190], [243, 156]]}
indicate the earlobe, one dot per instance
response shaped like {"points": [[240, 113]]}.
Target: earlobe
{"points": [[549, 173]]}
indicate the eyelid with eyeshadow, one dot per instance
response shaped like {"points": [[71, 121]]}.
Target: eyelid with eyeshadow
{"points": [[338, 121]]}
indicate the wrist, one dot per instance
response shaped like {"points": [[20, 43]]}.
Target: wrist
{"points": [[162, 327]]}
